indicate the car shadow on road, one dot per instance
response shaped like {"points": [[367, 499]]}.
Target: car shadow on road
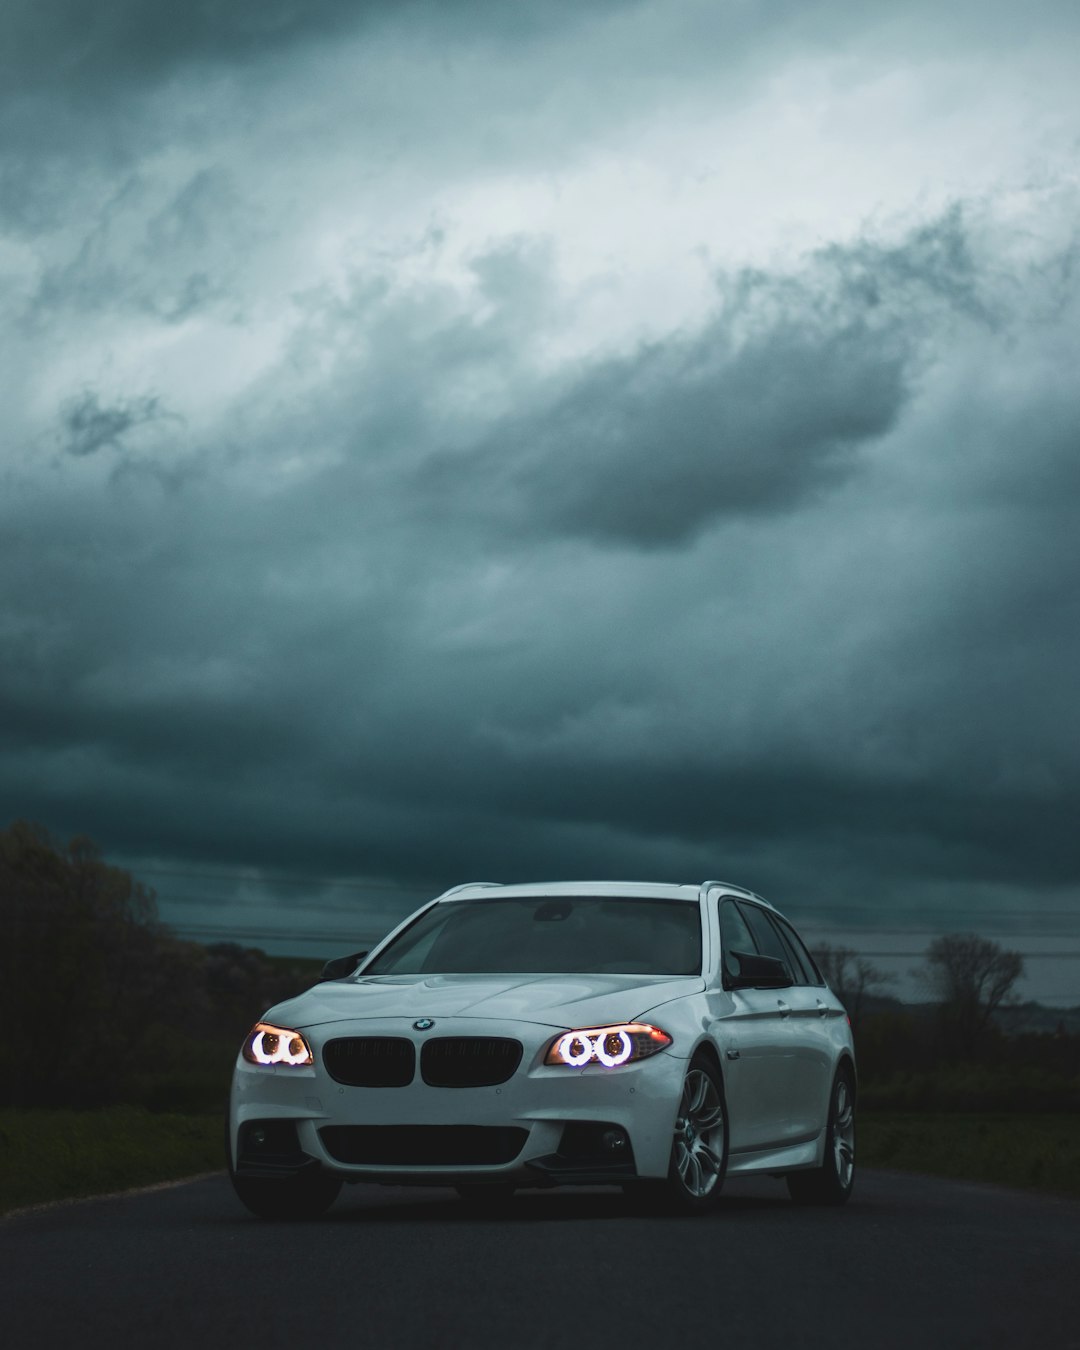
{"points": [[530, 1207], [447, 1209], [761, 1199]]}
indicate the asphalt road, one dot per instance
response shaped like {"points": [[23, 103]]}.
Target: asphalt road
{"points": [[911, 1262]]}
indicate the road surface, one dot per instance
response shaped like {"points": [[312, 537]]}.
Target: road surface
{"points": [[912, 1261]]}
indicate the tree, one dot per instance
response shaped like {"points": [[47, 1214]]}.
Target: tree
{"points": [[85, 969], [100, 1002], [850, 976], [971, 977]]}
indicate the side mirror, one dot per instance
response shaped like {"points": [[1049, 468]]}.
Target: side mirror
{"points": [[759, 972], [341, 966]]}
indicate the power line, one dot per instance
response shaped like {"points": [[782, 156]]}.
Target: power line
{"points": [[339, 910], [271, 879], [1028, 956], [986, 920], [289, 935], [277, 934], [256, 903], [345, 883]]}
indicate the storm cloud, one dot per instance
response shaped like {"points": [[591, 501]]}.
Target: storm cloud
{"points": [[622, 440], [761, 410]]}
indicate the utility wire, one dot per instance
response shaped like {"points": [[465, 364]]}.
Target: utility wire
{"points": [[284, 935], [269, 880]]}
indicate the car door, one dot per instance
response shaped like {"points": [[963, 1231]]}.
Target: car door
{"points": [[753, 1030], [818, 1013], [809, 1046]]}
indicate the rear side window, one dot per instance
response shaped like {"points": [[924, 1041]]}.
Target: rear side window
{"points": [[786, 944], [734, 936], [799, 951], [768, 939]]}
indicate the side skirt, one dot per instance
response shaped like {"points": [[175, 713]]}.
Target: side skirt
{"points": [[805, 1153]]}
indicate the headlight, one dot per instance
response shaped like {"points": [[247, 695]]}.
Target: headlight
{"points": [[267, 1044], [609, 1046]]}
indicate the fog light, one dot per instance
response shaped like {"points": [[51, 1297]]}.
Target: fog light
{"points": [[614, 1141], [258, 1138]]}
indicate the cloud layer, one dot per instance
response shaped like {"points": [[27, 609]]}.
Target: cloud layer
{"points": [[408, 476]]}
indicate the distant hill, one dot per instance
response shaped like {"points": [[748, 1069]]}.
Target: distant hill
{"points": [[1028, 1018]]}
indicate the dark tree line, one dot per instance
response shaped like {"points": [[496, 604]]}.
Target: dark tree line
{"points": [[969, 976], [952, 1053], [99, 1001]]}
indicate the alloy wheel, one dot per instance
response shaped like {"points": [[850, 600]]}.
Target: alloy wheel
{"points": [[699, 1135], [843, 1140]]}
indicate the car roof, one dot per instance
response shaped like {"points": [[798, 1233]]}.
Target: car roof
{"points": [[627, 890]]}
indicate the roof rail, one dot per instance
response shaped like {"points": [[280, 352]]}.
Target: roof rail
{"points": [[468, 886], [707, 886]]}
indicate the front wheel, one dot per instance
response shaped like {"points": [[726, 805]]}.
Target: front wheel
{"points": [[832, 1182], [699, 1149]]}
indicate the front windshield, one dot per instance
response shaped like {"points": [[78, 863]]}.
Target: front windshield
{"points": [[568, 935]]}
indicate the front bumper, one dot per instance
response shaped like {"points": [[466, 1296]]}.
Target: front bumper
{"points": [[546, 1125]]}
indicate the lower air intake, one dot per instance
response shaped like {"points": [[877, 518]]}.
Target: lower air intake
{"points": [[424, 1145]]}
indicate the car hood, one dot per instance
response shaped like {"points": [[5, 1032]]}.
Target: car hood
{"points": [[551, 1000]]}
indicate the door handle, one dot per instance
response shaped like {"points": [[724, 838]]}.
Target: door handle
{"points": [[823, 1009], [785, 1008]]}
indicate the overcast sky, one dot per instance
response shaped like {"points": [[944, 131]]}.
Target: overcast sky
{"points": [[585, 438]]}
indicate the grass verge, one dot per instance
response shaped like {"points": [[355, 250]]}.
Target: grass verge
{"points": [[1039, 1153], [59, 1155]]}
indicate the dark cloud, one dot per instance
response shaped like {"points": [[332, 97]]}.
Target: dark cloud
{"points": [[384, 544], [863, 662], [87, 427], [651, 449], [86, 93], [68, 47], [65, 43], [765, 408]]}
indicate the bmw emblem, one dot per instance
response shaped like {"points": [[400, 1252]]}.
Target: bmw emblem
{"points": [[423, 1024]]}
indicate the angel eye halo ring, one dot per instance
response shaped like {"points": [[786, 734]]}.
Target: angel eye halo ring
{"points": [[268, 1044], [607, 1046]]}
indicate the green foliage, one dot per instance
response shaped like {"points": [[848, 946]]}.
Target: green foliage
{"points": [[894, 1041], [82, 966], [100, 1002], [974, 1087], [1041, 1152], [57, 1155], [904, 1065]]}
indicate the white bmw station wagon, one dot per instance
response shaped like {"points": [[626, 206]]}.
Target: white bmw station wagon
{"points": [[654, 1037]]}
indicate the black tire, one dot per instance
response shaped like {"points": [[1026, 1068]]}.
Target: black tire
{"points": [[699, 1148], [832, 1182], [493, 1198], [306, 1195]]}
